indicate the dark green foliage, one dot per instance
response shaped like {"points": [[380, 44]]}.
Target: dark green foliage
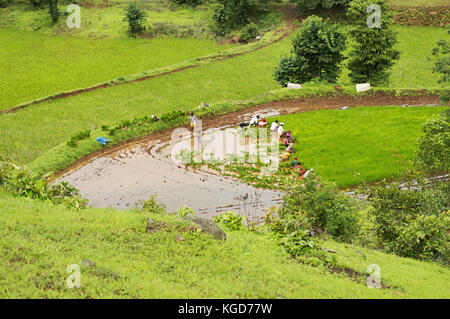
{"points": [[324, 206], [231, 14], [292, 231], [153, 206], [37, 3], [433, 151], [445, 97], [287, 70], [4, 3], [249, 32], [441, 55], [23, 183], [317, 53], [327, 4], [192, 3], [231, 220], [136, 17], [373, 54], [78, 137], [53, 10], [426, 238], [411, 218], [172, 116]]}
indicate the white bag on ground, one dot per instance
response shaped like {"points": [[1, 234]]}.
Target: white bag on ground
{"points": [[294, 86], [362, 87]]}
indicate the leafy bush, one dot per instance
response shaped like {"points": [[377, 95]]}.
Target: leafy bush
{"points": [[293, 232], [192, 3], [231, 220], [286, 71], [136, 17], [249, 32], [317, 53], [78, 137], [4, 3], [425, 238], [231, 14], [53, 10], [373, 55], [433, 151], [441, 55], [184, 211], [408, 218], [325, 207], [37, 3], [172, 116], [445, 97], [153, 206], [327, 4], [23, 183]]}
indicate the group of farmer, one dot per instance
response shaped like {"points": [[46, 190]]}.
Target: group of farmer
{"points": [[277, 130]]}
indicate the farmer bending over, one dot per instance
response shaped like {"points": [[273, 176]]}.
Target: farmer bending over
{"points": [[274, 126], [254, 120]]}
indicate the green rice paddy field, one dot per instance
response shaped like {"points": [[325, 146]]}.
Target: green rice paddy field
{"points": [[28, 133], [386, 137]]}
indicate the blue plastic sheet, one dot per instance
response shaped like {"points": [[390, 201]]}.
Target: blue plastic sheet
{"points": [[102, 140]]}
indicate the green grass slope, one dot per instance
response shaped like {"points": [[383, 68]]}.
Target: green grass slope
{"points": [[39, 241], [366, 140]]}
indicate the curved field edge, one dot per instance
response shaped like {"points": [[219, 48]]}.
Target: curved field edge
{"points": [[63, 156], [127, 261], [358, 145], [269, 38]]}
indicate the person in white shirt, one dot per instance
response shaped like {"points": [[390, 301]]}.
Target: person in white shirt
{"points": [[193, 120], [274, 126], [254, 120], [280, 130]]}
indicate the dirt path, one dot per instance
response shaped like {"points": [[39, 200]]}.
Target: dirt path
{"points": [[290, 19]]}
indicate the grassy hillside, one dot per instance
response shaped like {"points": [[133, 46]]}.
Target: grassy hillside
{"points": [[39, 241], [368, 141], [29, 133]]}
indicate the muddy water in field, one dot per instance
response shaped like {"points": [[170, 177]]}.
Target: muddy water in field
{"points": [[129, 176]]}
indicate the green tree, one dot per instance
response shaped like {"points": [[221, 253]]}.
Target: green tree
{"points": [[441, 54], [373, 54], [327, 4], [316, 53], [433, 151], [192, 3], [53, 10], [37, 3], [136, 17], [232, 14]]}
